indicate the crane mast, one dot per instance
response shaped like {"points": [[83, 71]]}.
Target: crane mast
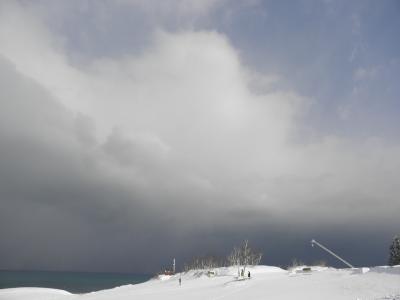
{"points": [[314, 242]]}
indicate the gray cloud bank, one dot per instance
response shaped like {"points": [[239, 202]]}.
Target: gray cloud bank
{"points": [[121, 164]]}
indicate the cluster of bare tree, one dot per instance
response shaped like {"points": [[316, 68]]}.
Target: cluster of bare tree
{"points": [[205, 262], [241, 256], [244, 256]]}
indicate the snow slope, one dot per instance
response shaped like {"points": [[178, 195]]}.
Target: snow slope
{"points": [[266, 283], [33, 293]]}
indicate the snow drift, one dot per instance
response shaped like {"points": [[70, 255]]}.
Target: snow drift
{"points": [[266, 283]]}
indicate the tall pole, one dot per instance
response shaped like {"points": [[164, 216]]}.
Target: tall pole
{"points": [[173, 266], [314, 242]]}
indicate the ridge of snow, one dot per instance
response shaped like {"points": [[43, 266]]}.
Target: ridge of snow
{"points": [[267, 282]]}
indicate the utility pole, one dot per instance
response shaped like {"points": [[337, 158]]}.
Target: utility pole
{"points": [[173, 266], [314, 242]]}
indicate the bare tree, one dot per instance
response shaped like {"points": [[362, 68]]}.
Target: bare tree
{"points": [[255, 259], [205, 262], [234, 258], [244, 256], [245, 253]]}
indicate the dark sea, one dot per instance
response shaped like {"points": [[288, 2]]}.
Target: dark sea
{"points": [[73, 282]]}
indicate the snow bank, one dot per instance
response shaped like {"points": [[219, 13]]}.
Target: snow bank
{"points": [[33, 293], [307, 269], [163, 277], [387, 270], [266, 283], [232, 271], [265, 270], [379, 269]]}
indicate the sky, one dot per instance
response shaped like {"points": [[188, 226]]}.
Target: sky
{"points": [[132, 132]]}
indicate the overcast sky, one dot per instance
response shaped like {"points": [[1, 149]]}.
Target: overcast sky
{"points": [[132, 132]]}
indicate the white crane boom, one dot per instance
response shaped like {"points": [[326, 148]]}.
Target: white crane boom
{"points": [[330, 252]]}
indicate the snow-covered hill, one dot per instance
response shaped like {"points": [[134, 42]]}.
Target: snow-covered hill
{"points": [[266, 283]]}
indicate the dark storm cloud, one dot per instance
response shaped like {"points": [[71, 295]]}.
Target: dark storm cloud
{"points": [[125, 162], [60, 209]]}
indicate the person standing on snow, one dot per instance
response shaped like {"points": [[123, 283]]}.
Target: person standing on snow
{"points": [[248, 274]]}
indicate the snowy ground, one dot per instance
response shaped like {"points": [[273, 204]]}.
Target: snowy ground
{"points": [[266, 283]]}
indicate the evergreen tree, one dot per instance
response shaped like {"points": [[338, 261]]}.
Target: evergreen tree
{"points": [[394, 257]]}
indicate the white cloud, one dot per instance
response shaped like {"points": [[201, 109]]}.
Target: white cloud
{"points": [[365, 73], [178, 8]]}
